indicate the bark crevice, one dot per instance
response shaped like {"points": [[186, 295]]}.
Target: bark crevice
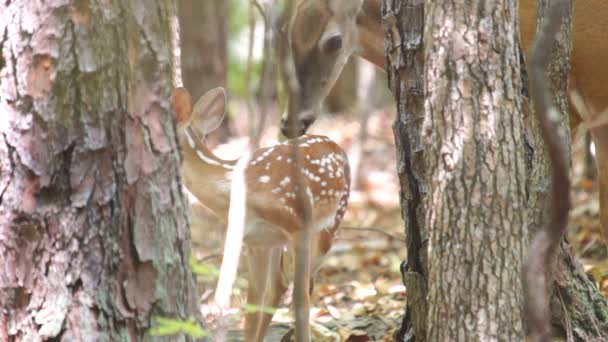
{"points": [[402, 23]]}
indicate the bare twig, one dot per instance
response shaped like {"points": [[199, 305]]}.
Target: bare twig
{"points": [[546, 241], [375, 230], [288, 68], [266, 81], [211, 257], [248, 71], [366, 78]]}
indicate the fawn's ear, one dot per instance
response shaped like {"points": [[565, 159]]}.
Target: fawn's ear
{"points": [[209, 111], [182, 106]]}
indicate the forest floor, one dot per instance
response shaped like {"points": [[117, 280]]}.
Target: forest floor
{"points": [[358, 293]]}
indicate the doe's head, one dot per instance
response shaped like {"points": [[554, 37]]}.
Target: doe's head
{"points": [[317, 38]]}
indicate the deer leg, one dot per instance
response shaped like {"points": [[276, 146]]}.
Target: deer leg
{"points": [[265, 288], [301, 285]]}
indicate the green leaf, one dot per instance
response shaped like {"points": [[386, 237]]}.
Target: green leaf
{"points": [[164, 331], [169, 326], [251, 308], [193, 329], [204, 270]]}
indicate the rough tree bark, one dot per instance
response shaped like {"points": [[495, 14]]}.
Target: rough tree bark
{"points": [[476, 202], [577, 305], [94, 225]]}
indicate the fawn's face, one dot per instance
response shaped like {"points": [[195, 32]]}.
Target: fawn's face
{"points": [[320, 37]]}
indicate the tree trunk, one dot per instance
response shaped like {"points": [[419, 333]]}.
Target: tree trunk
{"points": [[577, 305], [94, 236], [578, 308], [203, 48], [203, 43], [476, 202]]}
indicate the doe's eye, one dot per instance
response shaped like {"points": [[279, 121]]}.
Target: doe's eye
{"points": [[331, 44]]}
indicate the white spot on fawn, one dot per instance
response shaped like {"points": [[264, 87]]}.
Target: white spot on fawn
{"points": [[285, 181], [264, 179]]}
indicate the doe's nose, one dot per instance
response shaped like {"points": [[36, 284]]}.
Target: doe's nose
{"points": [[303, 120], [291, 130]]}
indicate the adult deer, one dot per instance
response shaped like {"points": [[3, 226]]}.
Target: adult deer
{"points": [[274, 215], [320, 35]]}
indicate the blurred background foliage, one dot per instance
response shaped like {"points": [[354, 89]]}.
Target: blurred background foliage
{"points": [[238, 31]]}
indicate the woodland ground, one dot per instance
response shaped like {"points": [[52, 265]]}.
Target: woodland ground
{"points": [[358, 292]]}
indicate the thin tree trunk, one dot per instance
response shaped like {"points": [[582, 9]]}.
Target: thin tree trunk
{"points": [[203, 42], [203, 26], [579, 310], [94, 236]]}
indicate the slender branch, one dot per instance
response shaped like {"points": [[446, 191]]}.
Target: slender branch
{"points": [[375, 230], [248, 71], [546, 241], [266, 81], [211, 257]]}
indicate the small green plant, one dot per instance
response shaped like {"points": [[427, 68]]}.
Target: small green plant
{"points": [[168, 326], [204, 270], [251, 308]]}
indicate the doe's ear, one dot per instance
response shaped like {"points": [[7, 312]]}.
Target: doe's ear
{"points": [[209, 111]]}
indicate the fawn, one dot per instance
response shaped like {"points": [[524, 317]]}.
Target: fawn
{"points": [[275, 216]]}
